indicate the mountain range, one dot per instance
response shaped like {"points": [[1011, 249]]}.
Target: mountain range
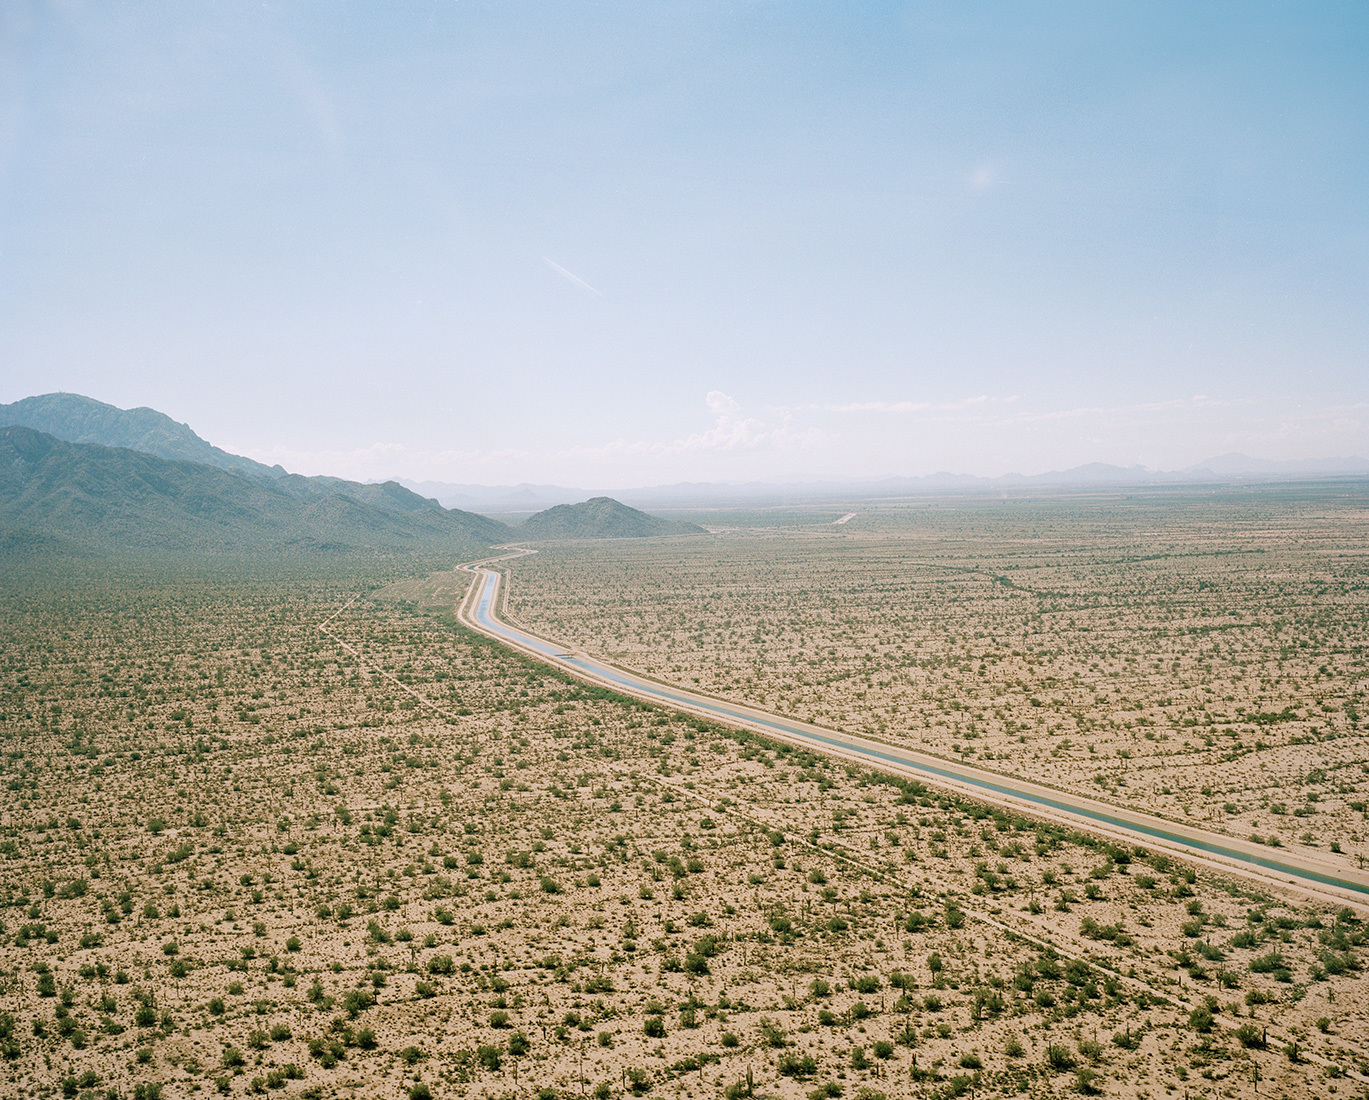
{"points": [[110, 497], [511, 500], [77, 419], [75, 470]]}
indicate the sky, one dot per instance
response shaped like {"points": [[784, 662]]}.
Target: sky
{"points": [[631, 244]]}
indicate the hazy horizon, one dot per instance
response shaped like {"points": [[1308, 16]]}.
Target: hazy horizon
{"points": [[618, 247]]}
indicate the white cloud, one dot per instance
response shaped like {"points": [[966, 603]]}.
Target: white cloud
{"points": [[906, 406], [718, 402], [880, 406], [980, 434], [731, 431], [981, 178], [712, 452]]}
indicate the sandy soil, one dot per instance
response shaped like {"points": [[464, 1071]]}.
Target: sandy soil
{"points": [[237, 859], [1205, 661]]}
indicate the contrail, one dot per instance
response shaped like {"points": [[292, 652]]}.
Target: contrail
{"points": [[570, 275]]}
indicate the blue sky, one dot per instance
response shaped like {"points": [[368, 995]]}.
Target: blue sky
{"points": [[626, 244]]}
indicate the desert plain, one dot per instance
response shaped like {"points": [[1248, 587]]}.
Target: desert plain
{"points": [[244, 855]]}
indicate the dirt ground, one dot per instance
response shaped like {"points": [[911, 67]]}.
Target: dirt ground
{"points": [[1202, 659], [237, 859]]}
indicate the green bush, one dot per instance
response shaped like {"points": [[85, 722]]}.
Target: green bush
{"points": [[796, 1065], [1059, 1059]]}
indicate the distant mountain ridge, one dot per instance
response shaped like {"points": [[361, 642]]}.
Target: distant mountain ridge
{"points": [[77, 419], [599, 518], [337, 512], [504, 499], [495, 498], [76, 472], [114, 497], [1243, 466]]}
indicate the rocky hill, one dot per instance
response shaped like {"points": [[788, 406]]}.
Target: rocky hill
{"points": [[599, 518]]}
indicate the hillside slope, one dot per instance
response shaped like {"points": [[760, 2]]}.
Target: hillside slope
{"points": [[118, 497], [77, 419], [600, 518]]}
